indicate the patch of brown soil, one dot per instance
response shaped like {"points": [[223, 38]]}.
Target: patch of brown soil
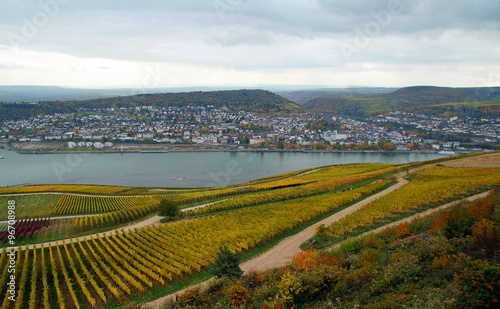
{"points": [[486, 160]]}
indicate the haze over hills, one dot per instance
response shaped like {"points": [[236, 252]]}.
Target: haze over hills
{"points": [[30, 94], [17, 94]]}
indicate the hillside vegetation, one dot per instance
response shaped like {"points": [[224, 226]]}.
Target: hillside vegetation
{"points": [[258, 101], [303, 96], [422, 99], [447, 260]]}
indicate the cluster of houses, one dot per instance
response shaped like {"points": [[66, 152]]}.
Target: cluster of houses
{"points": [[207, 125]]}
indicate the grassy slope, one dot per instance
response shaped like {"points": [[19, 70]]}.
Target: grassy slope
{"points": [[472, 103]]}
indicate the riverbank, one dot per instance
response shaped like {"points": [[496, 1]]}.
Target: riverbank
{"points": [[146, 148]]}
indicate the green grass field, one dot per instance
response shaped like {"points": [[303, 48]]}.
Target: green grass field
{"points": [[375, 104], [30, 206], [472, 104]]}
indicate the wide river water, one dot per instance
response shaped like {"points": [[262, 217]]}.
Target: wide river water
{"points": [[174, 169]]}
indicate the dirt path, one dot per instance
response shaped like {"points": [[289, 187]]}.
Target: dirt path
{"points": [[205, 205], [150, 221], [285, 250], [283, 253], [58, 218], [416, 216]]}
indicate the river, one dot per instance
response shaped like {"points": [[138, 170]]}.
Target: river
{"points": [[174, 169]]}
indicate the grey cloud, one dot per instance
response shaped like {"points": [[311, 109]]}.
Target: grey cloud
{"points": [[254, 34]]}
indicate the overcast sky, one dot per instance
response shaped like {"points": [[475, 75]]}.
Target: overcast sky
{"points": [[155, 43]]}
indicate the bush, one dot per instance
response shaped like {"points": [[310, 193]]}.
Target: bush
{"points": [[226, 264], [478, 282], [372, 241], [486, 236], [169, 209], [403, 230], [305, 260], [254, 278], [191, 297], [369, 258], [237, 294], [459, 223]]}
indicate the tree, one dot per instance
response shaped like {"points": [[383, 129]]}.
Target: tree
{"points": [[386, 145], [169, 209], [226, 264]]}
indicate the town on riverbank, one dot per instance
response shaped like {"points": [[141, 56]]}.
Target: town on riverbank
{"points": [[207, 128]]}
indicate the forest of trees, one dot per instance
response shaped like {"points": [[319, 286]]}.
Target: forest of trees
{"points": [[477, 102]]}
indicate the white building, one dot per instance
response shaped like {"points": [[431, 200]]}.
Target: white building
{"points": [[98, 145], [333, 136], [71, 145], [68, 135], [52, 137]]}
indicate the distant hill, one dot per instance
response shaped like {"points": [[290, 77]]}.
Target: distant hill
{"points": [[446, 91], [422, 99], [303, 96], [428, 95], [30, 94], [259, 101], [335, 105]]}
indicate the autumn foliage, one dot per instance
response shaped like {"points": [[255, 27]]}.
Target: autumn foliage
{"points": [[305, 260], [403, 230], [237, 294]]}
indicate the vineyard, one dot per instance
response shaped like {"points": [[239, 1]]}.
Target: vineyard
{"points": [[23, 228], [193, 197], [342, 177], [79, 204], [33, 206], [89, 189], [323, 174], [430, 187], [113, 218], [100, 272], [112, 268]]}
